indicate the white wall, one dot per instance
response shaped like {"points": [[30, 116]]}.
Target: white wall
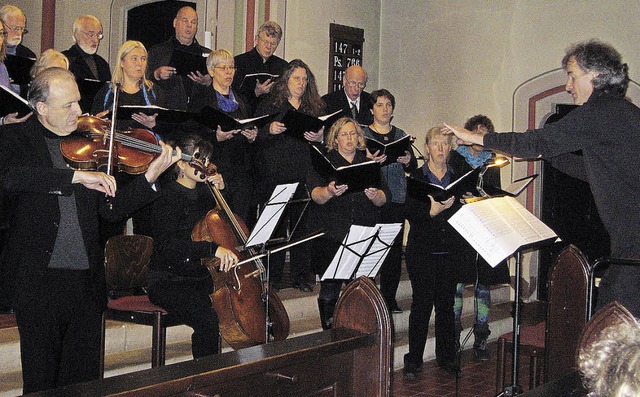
{"points": [[449, 60], [307, 33]]}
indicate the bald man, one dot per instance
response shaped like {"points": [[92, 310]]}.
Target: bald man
{"points": [[353, 100], [84, 62], [178, 88]]}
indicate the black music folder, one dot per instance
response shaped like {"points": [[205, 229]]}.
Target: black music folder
{"points": [[393, 150], [19, 69], [358, 176], [212, 118], [89, 87], [10, 102], [164, 114], [249, 80], [420, 189], [298, 123], [188, 62]]}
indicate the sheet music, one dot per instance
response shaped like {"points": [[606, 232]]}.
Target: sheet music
{"points": [[348, 256], [271, 214], [364, 248], [497, 227], [379, 250]]}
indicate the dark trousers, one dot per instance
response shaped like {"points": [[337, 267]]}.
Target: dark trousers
{"points": [[60, 333], [392, 267], [189, 301], [433, 284]]}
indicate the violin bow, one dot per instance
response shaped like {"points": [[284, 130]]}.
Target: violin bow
{"points": [[112, 132]]}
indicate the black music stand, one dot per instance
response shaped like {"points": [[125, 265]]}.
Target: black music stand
{"points": [[263, 231], [362, 251], [497, 228]]}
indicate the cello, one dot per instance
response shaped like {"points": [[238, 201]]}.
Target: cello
{"points": [[249, 312]]}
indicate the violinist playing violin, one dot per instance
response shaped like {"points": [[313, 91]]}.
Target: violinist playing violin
{"points": [[53, 243], [177, 281]]}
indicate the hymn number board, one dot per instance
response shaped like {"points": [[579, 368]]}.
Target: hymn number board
{"points": [[345, 50]]}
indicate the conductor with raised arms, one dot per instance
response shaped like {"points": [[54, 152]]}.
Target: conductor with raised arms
{"points": [[53, 240], [606, 128]]}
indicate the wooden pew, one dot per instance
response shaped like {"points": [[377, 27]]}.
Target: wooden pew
{"points": [[353, 359]]}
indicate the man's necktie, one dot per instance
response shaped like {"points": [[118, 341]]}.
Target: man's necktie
{"points": [[354, 110]]}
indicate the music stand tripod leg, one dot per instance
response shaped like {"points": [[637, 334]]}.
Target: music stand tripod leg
{"points": [[513, 388]]}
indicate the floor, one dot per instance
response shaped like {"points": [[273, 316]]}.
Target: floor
{"points": [[478, 379]]}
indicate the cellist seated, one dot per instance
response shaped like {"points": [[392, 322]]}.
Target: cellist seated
{"points": [[177, 281]]}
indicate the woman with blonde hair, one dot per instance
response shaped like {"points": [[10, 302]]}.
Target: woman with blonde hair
{"points": [[49, 59], [335, 210], [130, 74]]}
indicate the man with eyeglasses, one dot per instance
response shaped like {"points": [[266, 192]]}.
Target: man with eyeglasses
{"points": [[260, 59], [177, 88], [353, 100], [15, 23], [84, 62]]}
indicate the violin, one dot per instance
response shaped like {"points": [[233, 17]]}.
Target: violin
{"points": [[133, 150], [240, 296]]}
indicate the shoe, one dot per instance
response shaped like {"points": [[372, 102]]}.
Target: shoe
{"points": [[480, 351], [410, 371], [450, 367]]}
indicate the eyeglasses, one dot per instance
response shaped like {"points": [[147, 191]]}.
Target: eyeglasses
{"points": [[347, 134], [19, 29], [270, 43], [355, 84], [93, 35], [225, 68]]}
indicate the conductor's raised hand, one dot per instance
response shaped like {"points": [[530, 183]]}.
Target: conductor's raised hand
{"points": [[160, 164], [96, 181], [227, 258], [465, 137], [438, 206]]}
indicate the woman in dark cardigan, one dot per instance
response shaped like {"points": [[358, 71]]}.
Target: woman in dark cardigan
{"points": [[335, 210], [435, 252], [285, 159], [232, 150]]}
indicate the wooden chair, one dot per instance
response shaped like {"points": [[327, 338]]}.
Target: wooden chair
{"points": [[127, 260], [566, 315], [611, 314]]}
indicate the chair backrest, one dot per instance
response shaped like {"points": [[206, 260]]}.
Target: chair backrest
{"points": [[611, 314], [566, 311], [126, 262]]}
